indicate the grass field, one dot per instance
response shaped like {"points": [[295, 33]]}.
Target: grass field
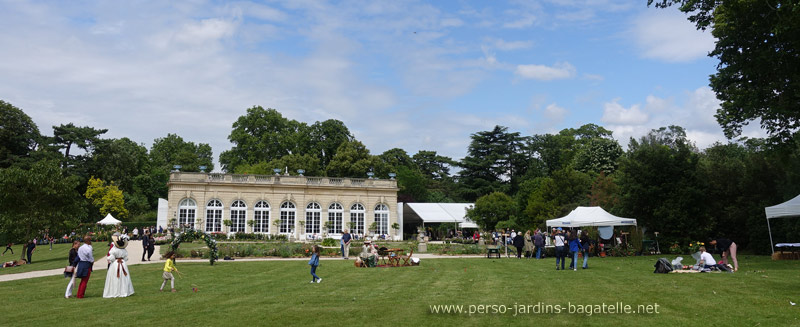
{"points": [[44, 259], [278, 293]]}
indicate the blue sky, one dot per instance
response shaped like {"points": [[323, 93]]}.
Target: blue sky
{"points": [[408, 74]]}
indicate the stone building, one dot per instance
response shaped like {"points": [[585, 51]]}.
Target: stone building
{"points": [[305, 207]]}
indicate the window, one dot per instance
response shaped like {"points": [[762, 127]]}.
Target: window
{"points": [[357, 217], [335, 217], [288, 211], [238, 216], [382, 218], [187, 210], [261, 216], [313, 212], [214, 216]]}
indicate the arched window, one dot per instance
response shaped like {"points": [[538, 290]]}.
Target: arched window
{"points": [[214, 216], [382, 218], [261, 216], [357, 217], [238, 216], [313, 212], [335, 211], [187, 211], [288, 212]]}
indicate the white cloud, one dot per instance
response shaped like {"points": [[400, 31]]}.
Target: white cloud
{"points": [[555, 113], [526, 20], [504, 45], [616, 114], [667, 35], [593, 77], [560, 70], [452, 22]]}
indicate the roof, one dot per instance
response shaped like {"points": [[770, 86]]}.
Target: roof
{"points": [[109, 220], [590, 216], [789, 208], [443, 213]]}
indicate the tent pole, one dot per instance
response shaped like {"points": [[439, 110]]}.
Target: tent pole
{"points": [[772, 247]]}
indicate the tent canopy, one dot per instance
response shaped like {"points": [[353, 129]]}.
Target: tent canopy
{"points": [[443, 213], [109, 220], [789, 208], [590, 216]]}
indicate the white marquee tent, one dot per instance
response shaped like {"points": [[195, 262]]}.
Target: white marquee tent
{"points": [[109, 220], [590, 216], [443, 213], [789, 208]]}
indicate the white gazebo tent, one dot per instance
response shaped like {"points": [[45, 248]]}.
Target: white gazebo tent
{"points": [[789, 208], [443, 213], [109, 220], [590, 216]]}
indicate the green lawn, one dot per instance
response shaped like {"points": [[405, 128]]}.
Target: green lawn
{"points": [[278, 293], [43, 258]]}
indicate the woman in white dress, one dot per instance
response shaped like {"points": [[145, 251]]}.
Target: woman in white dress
{"points": [[118, 277]]}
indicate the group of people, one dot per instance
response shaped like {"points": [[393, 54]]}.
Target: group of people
{"points": [[118, 279], [728, 250], [570, 243]]}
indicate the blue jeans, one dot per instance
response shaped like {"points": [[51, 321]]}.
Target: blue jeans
{"points": [[574, 258], [560, 256], [313, 271], [538, 252], [585, 258]]}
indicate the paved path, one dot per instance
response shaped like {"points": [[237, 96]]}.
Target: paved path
{"points": [[135, 257]]}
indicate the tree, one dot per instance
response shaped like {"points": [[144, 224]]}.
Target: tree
{"points": [[604, 192], [36, 199], [352, 159], [19, 135], [173, 150], [412, 184], [120, 161], [491, 209], [292, 162], [85, 138], [106, 198], [556, 196], [326, 137], [264, 135], [598, 155], [432, 165], [396, 158], [758, 75], [492, 164]]}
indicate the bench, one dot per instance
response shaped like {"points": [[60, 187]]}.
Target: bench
{"points": [[492, 249]]}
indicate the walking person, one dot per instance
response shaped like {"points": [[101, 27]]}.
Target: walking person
{"points": [[73, 262], [145, 240], [314, 263], [519, 243], [538, 241], [85, 262], [151, 246], [8, 247], [726, 246], [528, 245], [574, 248], [585, 245], [118, 277], [345, 241], [169, 267], [559, 241], [29, 250]]}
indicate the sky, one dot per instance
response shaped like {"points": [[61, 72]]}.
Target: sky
{"points": [[410, 74]]}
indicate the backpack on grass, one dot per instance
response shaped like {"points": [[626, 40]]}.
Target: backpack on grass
{"points": [[662, 266]]}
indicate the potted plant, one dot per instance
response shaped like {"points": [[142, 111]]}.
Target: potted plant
{"points": [[227, 223], [327, 225], [277, 223], [251, 223], [395, 227], [302, 224]]}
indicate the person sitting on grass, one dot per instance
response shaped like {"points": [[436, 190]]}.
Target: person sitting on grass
{"points": [[169, 267], [706, 259], [14, 263]]}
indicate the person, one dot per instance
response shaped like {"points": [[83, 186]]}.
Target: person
{"points": [[513, 235], [136, 233], [14, 263], [728, 249], [538, 241], [118, 277], [706, 259], [345, 241], [558, 239], [528, 244], [8, 247], [519, 243], [151, 246], [169, 267], [585, 245], [31, 247], [145, 240], [368, 254], [51, 239], [314, 263], [85, 262], [160, 229], [574, 248], [73, 262]]}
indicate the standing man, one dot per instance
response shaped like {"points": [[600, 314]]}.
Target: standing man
{"points": [[559, 242], [145, 240], [725, 245], [538, 242], [136, 233], [346, 244], [85, 263], [31, 247]]}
